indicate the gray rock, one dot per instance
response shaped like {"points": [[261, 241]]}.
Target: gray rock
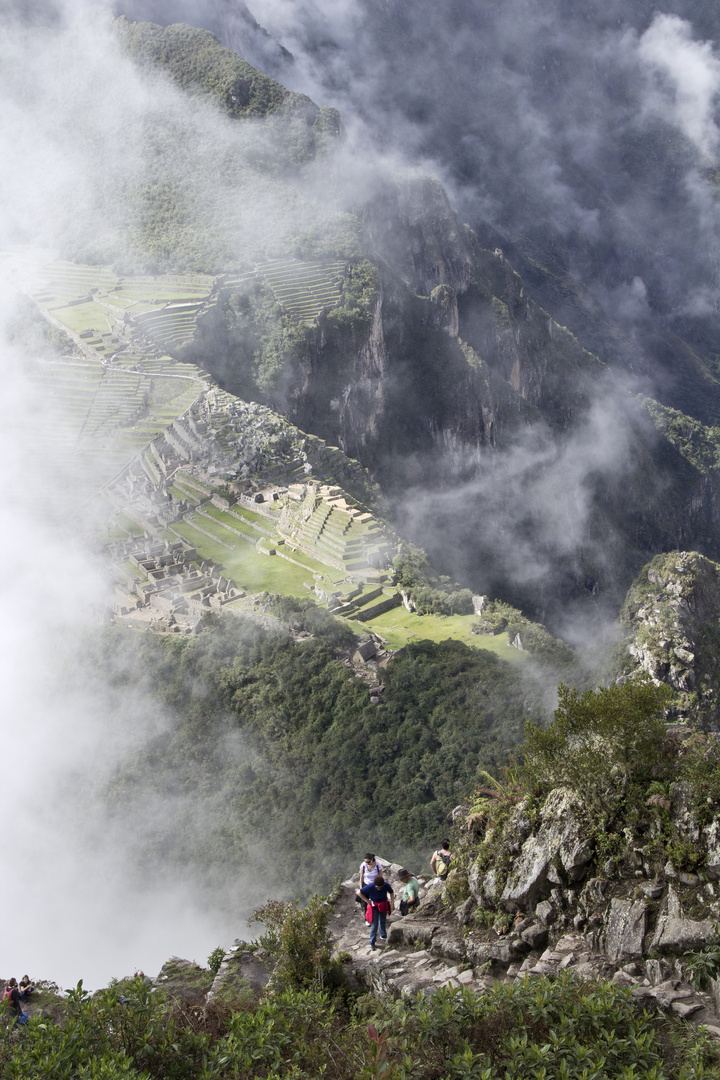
{"points": [[575, 860], [594, 893], [410, 932], [546, 913], [448, 944], [685, 1009], [536, 936], [464, 912], [554, 877], [626, 926], [518, 946], [711, 837], [621, 978], [240, 967], [675, 934], [490, 886], [557, 834], [497, 953], [683, 811]]}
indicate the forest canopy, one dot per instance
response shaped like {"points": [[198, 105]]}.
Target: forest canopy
{"points": [[287, 764]]}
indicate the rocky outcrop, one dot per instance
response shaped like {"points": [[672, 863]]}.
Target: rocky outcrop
{"points": [[557, 840], [242, 969], [671, 615], [437, 948]]}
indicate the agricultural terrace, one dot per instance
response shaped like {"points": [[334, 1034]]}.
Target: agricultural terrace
{"points": [[92, 419], [264, 550], [103, 408], [303, 289], [105, 312]]}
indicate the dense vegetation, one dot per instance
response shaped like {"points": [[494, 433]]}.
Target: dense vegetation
{"points": [[199, 64], [432, 593], [264, 728], [611, 747], [528, 1030]]}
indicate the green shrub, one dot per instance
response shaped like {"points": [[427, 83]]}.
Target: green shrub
{"points": [[599, 740], [299, 945], [215, 959]]}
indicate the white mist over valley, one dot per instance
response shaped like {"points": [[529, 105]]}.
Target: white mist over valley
{"points": [[509, 358]]}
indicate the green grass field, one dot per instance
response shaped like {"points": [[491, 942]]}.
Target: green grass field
{"points": [[247, 567]]}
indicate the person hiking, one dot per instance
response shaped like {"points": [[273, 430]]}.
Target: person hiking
{"points": [[25, 987], [379, 896], [410, 898], [11, 995], [440, 860], [369, 869]]}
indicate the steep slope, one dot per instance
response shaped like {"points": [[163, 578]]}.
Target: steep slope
{"points": [[414, 349], [671, 615]]}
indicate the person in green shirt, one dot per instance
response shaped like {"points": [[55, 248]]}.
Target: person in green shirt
{"points": [[411, 893]]}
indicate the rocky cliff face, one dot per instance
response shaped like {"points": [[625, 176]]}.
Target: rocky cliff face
{"points": [[671, 614], [558, 897]]}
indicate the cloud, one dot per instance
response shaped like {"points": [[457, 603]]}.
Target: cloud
{"points": [[684, 79]]}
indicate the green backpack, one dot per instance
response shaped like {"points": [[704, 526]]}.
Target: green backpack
{"points": [[442, 864]]}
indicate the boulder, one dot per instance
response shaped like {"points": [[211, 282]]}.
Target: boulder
{"points": [[546, 912], [675, 934], [711, 836], [594, 893], [682, 811], [448, 944], [625, 930], [240, 970], [535, 935], [558, 834], [576, 859], [493, 952], [410, 932]]}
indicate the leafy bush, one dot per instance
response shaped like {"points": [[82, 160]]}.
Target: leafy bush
{"points": [[599, 740], [299, 945], [431, 593], [560, 1030], [534, 638], [215, 959]]}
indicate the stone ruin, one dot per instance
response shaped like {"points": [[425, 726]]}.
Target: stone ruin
{"points": [[173, 589]]}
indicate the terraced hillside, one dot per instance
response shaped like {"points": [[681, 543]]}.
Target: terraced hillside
{"points": [[163, 448], [304, 289], [104, 312]]}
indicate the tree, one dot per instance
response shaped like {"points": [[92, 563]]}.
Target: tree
{"points": [[600, 740]]}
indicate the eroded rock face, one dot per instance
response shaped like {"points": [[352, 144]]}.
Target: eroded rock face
{"points": [[559, 835], [671, 610], [676, 934], [241, 967], [625, 930]]}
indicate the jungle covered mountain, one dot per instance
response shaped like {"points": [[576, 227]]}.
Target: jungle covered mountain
{"points": [[278, 759], [436, 368]]}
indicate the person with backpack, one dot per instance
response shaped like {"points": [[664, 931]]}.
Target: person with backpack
{"points": [[11, 996], [440, 860], [378, 896]]}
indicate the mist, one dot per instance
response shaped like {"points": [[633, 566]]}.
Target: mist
{"points": [[72, 107], [581, 137]]}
